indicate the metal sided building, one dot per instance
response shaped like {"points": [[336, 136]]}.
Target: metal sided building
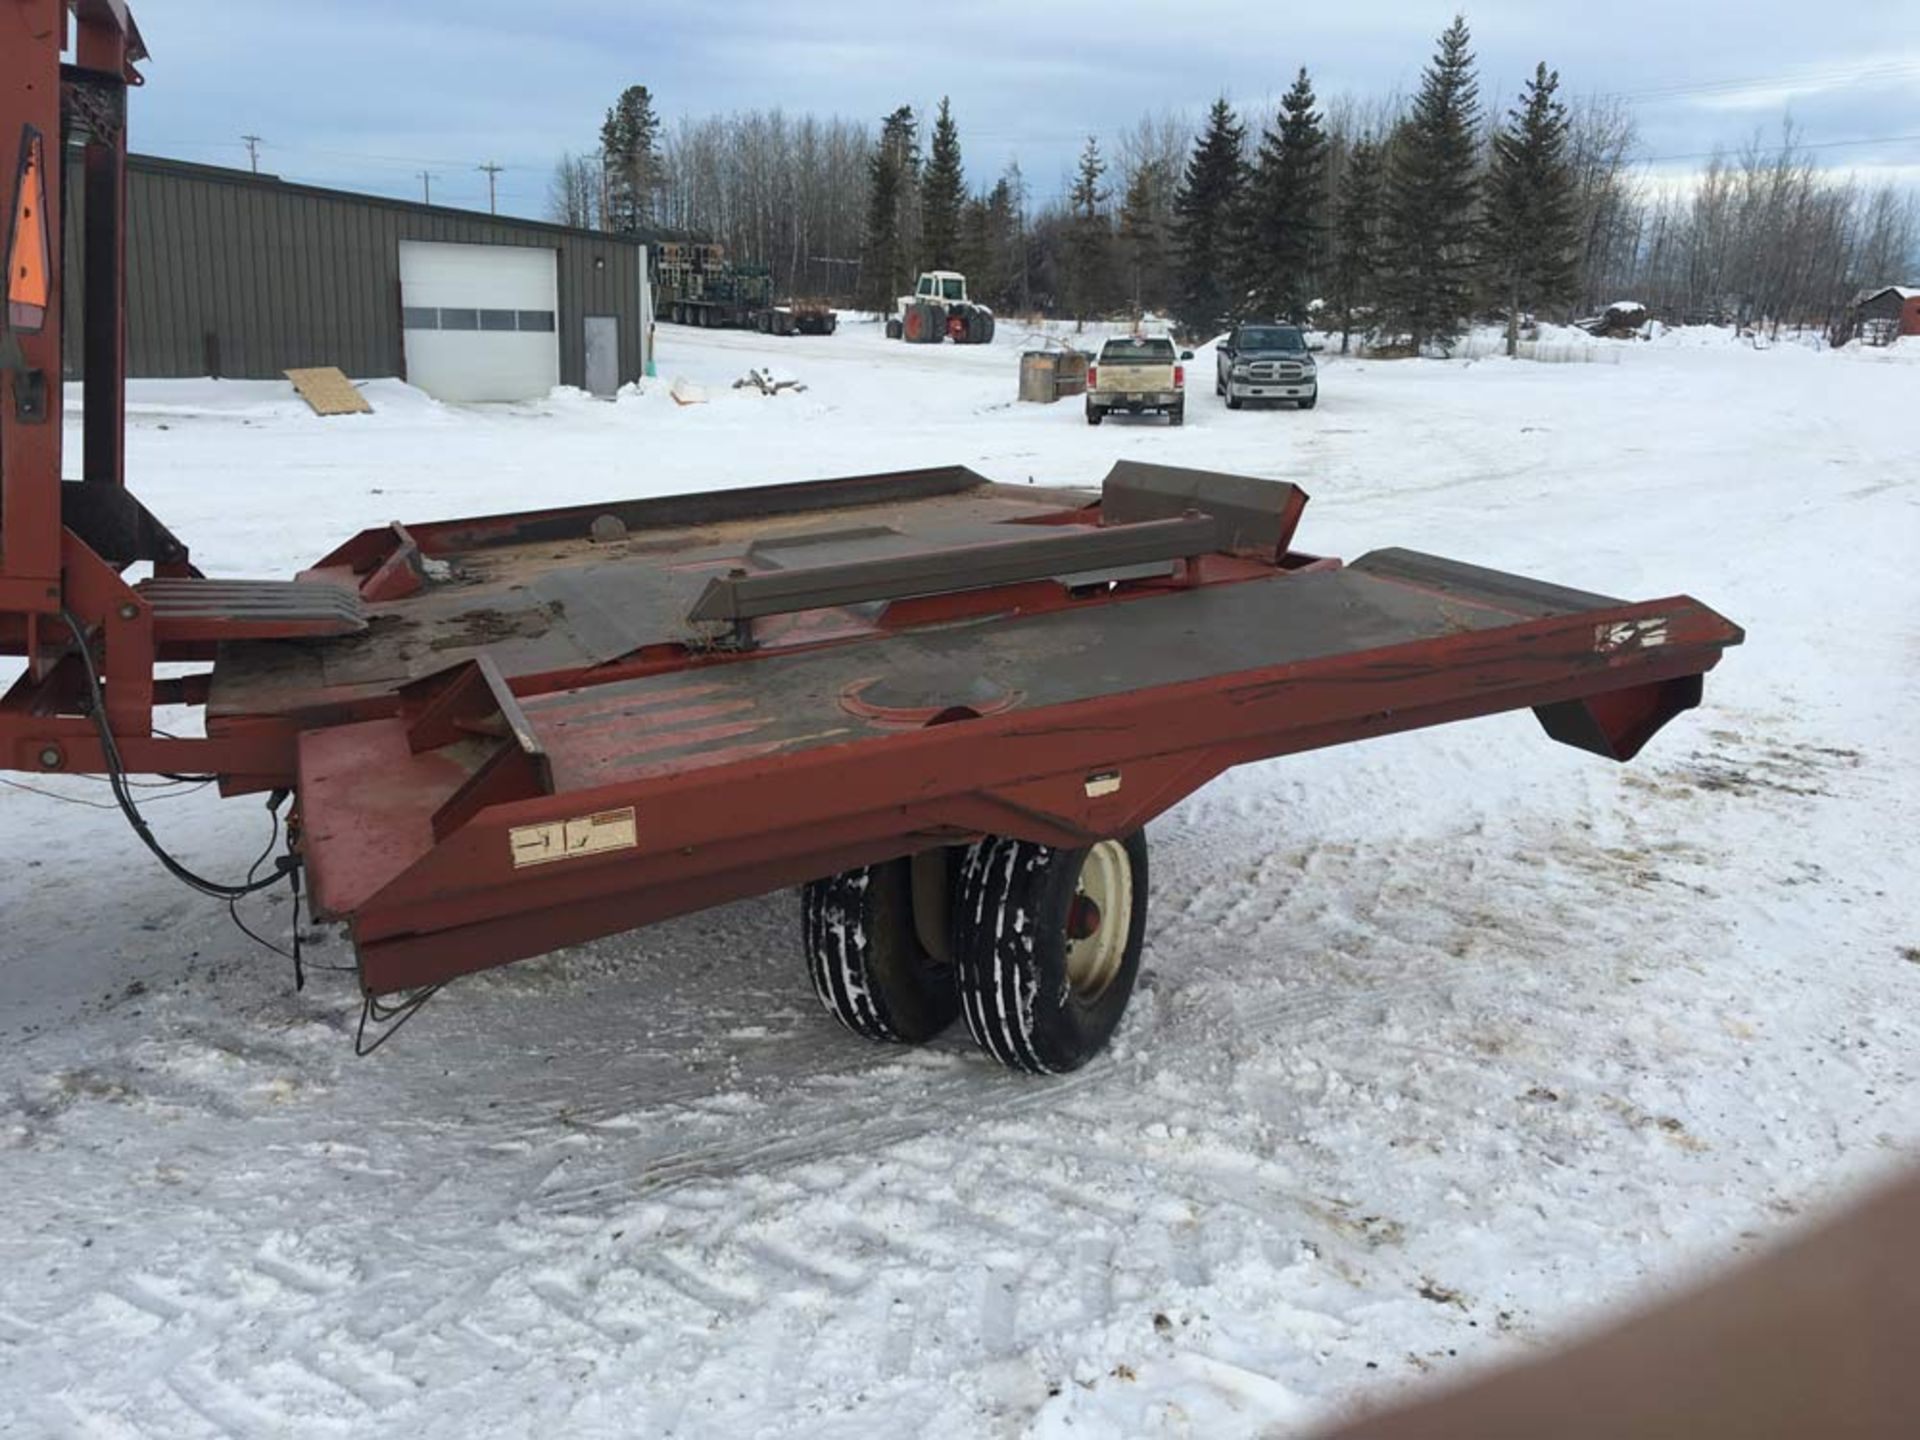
{"points": [[241, 276]]}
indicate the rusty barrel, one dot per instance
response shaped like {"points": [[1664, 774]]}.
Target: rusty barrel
{"points": [[1070, 373], [1037, 377]]}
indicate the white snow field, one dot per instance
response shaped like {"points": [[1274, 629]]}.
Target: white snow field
{"points": [[1445, 1045]]}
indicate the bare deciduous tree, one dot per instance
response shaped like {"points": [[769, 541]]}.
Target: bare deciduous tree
{"points": [[574, 192]]}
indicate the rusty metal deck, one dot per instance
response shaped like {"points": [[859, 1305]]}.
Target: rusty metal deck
{"points": [[559, 606], [664, 792]]}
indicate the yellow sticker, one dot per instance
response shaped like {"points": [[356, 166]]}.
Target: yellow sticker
{"points": [[572, 839], [1106, 782]]}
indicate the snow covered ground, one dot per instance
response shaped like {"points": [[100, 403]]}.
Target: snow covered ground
{"points": [[1444, 1044]]}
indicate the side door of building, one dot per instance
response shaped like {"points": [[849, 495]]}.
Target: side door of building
{"points": [[601, 334]]}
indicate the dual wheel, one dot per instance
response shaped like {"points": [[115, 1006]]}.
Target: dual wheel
{"points": [[925, 323], [1037, 947]]}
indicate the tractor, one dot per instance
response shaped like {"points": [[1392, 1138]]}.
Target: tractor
{"points": [[939, 310]]}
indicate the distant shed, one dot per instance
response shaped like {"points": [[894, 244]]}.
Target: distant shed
{"points": [[239, 275], [1882, 316]]}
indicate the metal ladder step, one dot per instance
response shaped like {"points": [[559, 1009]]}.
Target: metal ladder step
{"points": [[203, 610]]}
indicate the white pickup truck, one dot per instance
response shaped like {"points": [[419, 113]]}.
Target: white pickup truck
{"points": [[1140, 374]]}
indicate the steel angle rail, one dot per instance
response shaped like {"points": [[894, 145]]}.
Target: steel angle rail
{"points": [[1042, 556]]}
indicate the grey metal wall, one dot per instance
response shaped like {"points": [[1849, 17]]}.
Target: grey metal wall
{"points": [[248, 275]]}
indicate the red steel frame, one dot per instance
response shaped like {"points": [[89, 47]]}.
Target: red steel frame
{"points": [[45, 567], [457, 901]]}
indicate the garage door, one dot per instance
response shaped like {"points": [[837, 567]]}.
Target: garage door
{"points": [[480, 320]]}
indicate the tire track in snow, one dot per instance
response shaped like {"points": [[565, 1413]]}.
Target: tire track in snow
{"points": [[800, 1137]]}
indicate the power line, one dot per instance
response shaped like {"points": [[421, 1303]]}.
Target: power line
{"points": [[1826, 77], [1815, 145]]}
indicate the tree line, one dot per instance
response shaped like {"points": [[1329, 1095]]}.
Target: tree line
{"points": [[784, 190], [1399, 221]]}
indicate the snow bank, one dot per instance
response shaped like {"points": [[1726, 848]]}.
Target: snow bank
{"points": [[1445, 1043]]}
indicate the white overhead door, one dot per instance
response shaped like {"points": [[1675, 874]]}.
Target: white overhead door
{"points": [[480, 320]]}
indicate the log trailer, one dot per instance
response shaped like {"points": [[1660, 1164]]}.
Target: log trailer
{"points": [[943, 707], [698, 285]]}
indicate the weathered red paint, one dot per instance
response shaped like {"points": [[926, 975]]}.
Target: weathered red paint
{"points": [[717, 762]]}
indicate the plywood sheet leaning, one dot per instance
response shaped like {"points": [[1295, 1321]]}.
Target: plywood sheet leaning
{"points": [[327, 389]]}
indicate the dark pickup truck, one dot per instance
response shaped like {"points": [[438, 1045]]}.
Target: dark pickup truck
{"points": [[1267, 362]]}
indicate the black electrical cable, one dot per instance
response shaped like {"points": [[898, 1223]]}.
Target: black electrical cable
{"points": [[392, 1016], [300, 963], [117, 781], [288, 867]]}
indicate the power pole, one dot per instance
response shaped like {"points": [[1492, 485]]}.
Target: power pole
{"points": [[492, 171], [253, 143], [426, 186]]}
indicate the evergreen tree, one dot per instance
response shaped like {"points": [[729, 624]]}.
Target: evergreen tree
{"points": [[1286, 205], [989, 245], [1204, 210], [1532, 237], [973, 253], [1146, 232], [1014, 228], [943, 191], [1090, 237], [1003, 235], [1355, 274], [1432, 195], [629, 148], [887, 261]]}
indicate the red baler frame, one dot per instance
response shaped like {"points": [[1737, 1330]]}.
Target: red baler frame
{"points": [[713, 718]]}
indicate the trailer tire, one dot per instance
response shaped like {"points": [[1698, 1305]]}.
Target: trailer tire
{"points": [[1043, 974], [865, 957]]}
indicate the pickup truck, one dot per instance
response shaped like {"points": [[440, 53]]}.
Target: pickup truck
{"points": [[1266, 362], [1139, 374]]}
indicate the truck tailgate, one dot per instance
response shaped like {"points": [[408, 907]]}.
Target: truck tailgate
{"points": [[1135, 379]]}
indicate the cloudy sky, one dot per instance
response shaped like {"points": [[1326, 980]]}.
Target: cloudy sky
{"points": [[364, 95]]}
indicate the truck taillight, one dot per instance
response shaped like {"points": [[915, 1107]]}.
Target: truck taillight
{"points": [[1093, 376], [1179, 377]]}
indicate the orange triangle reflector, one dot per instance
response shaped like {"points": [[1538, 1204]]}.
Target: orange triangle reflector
{"points": [[28, 259]]}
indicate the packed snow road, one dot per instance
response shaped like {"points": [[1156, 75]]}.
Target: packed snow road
{"points": [[1443, 1043]]}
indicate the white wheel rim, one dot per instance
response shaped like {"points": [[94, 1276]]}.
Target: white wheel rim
{"points": [[1099, 919]]}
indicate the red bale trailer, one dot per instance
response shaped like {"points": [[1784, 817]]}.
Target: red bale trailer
{"points": [[945, 708]]}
